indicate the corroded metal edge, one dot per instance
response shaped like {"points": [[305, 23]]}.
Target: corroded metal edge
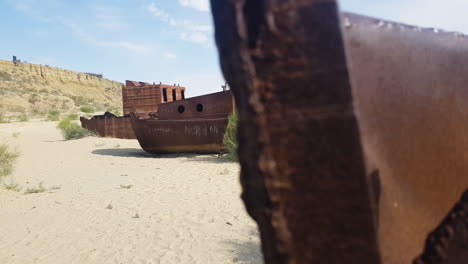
{"points": [[448, 243], [285, 61]]}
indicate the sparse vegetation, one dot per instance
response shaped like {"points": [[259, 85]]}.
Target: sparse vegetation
{"points": [[23, 118], [16, 134], [123, 186], [136, 215], [5, 76], [73, 116], [39, 189], [7, 159], [72, 130], [12, 187], [27, 91], [230, 138], [53, 116], [3, 118], [87, 109], [34, 98], [109, 207]]}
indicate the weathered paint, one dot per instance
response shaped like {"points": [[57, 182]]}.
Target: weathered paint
{"points": [[352, 132]]}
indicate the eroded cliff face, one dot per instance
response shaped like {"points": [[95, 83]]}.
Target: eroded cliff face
{"points": [[32, 88]]}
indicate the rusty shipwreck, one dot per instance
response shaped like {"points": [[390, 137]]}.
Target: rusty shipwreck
{"points": [[164, 121], [195, 125], [137, 97]]}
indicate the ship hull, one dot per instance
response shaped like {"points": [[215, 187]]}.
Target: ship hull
{"points": [[180, 136]]}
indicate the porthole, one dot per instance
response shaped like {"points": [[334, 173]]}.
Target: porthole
{"points": [[199, 108], [181, 109]]}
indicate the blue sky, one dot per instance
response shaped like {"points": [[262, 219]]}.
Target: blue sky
{"points": [[159, 40]]}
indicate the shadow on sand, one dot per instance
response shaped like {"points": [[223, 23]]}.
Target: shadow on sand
{"points": [[211, 158], [245, 252], [139, 153], [124, 152]]}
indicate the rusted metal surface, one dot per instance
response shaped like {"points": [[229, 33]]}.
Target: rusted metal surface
{"points": [[192, 131], [206, 106], [352, 129], [303, 172], [448, 244], [141, 97], [174, 136], [109, 125], [411, 100]]}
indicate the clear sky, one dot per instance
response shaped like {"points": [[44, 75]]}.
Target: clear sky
{"points": [[169, 41]]}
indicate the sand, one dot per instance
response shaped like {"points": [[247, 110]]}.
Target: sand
{"points": [[174, 209]]}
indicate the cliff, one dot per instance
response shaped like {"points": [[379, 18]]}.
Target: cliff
{"points": [[39, 89]]}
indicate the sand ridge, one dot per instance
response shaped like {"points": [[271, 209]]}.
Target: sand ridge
{"points": [[118, 204]]}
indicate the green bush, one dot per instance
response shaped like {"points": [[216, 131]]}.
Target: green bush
{"points": [[230, 138], [53, 116], [7, 159], [87, 109], [72, 130]]}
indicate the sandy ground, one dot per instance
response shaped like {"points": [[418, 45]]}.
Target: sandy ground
{"points": [[179, 208]]}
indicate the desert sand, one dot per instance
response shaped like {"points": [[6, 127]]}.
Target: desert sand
{"points": [[114, 203]]}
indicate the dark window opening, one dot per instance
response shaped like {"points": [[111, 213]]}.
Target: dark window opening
{"points": [[174, 97], [165, 94], [181, 109], [183, 94], [199, 108]]}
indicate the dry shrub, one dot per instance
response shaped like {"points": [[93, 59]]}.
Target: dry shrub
{"points": [[72, 130], [8, 158], [230, 138]]}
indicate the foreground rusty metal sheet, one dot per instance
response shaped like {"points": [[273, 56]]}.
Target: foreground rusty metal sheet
{"points": [[352, 130], [410, 95], [194, 125], [109, 125]]}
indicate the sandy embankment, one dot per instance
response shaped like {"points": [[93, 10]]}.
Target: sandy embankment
{"points": [[188, 206]]}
